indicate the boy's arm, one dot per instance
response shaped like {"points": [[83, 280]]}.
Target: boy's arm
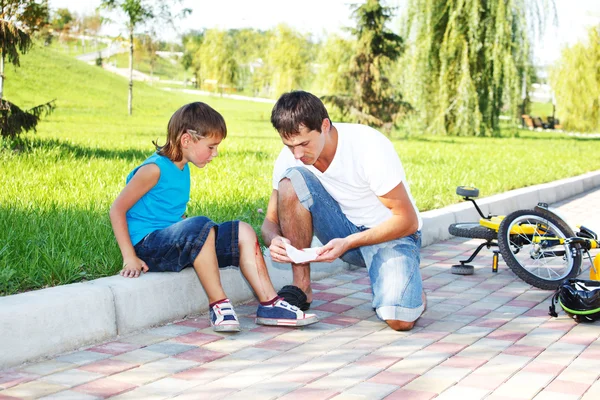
{"points": [[144, 179], [271, 232]]}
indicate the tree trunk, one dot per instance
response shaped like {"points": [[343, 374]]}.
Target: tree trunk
{"points": [[2, 75], [130, 99]]}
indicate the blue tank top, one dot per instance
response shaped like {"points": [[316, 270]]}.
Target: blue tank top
{"points": [[164, 204]]}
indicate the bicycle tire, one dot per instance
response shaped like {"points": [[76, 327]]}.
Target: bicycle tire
{"points": [[542, 269], [472, 230]]}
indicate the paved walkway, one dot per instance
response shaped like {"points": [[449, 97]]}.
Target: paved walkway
{"points": [[483, 336]]}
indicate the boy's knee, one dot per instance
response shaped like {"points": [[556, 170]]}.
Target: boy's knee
{"points": [[246, 233], [398, 325]]}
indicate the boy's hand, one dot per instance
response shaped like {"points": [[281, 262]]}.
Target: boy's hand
{"points": [[132, 267], [278, 251]]}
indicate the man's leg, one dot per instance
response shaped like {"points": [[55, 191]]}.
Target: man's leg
{"points": [[306, 208], [295, 222], [396, 281]]}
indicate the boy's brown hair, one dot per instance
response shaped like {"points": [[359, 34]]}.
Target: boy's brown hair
{"points": [[197, 119]]}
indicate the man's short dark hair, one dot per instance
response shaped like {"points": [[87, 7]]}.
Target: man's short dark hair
{"points": [[295, 109]]}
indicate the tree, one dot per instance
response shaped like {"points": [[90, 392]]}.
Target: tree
{"points": [[18, 20], [217, 58], [373, 99], [62, 20], [138, 12], [468, 61], [576, 82]]}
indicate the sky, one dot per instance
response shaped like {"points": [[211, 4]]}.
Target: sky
{"points": [[322, 17]]}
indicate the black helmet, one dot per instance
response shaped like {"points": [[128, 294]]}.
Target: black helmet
{"points": [[579, 298]]}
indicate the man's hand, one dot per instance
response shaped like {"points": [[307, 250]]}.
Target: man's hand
{"points": [[277, 249], [332, 250], [132, 267]]}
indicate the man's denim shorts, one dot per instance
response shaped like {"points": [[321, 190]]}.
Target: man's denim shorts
{"points": [[393, 266], [177, 246]]}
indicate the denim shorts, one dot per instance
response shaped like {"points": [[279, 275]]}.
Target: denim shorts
{"points": [[177, 246], [393, 266]]}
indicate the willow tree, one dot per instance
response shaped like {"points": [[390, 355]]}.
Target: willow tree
{"points": [[373, 99], [468, 61], [576, 83], [217, 58], [18, 20]]}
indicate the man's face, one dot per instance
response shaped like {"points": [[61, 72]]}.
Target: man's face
{"points": [[306, 146]]}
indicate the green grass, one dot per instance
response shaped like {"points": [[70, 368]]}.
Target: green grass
{"points": [[163, 69], [74, 47], [543, 110], [58, 186]]}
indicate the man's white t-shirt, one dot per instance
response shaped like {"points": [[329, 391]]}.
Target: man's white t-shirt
{"points": [[364, 167]]}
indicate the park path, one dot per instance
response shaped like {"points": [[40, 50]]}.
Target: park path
{"points": [[483, 336]]}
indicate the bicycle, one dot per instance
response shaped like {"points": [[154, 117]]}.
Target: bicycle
{"points": [[536, 244]]}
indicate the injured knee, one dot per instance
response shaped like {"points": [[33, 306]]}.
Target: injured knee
{"points": [[398, 325]]}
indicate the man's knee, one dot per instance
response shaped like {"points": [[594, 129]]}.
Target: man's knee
{"points": [[286, 191], [398, 325]]}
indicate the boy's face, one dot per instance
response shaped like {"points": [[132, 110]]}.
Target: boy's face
{"points": [[200, 150], [306, 146]]}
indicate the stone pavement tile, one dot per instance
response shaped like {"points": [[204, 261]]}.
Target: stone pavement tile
{"points": [[82, 357], [503, 365], [521, 350], [343, 292], [108, 366], [561, 353], [200, 355], [140, 356], [355, 286], [104, 388], [546, 395], [503, 334], [138, 394], [393, 378], [255, 354], [305, 393], [361, 295], [169, 386], [306, 334], [445, 347], [524, 385], [367, 390], [403, 347], [205, 392], [228, 364], [320, 286], [419, 362], [144, 339], [451, 373], [480, 380], [13, 378], [541, 337], [568, 387], [44, 368], [581, 370], [197, 338], [485, 348], [374, 360], [405, 394], [524, 323], [593, 392], [463, 362], [360, 313], [201, 374], [560, 324], [171, 330], [350, 301], [276, 344], [432, 384], [153, 371], [467, 335], [344, 377], [69, 395], [72, 377], [33, 389], [444, 326], [196, 322], [169, 348], [537, 312], [543, 367], [115, 348], [340, 320], [269, 389], [463, 393], [333, 308]]}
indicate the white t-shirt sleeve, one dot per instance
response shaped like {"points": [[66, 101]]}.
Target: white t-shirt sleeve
{"points": [[382, 166]]}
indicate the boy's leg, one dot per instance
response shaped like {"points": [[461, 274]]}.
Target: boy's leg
{"points": [[207, 269], [396, 281]]}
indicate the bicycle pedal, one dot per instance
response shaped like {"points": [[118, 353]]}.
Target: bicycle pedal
{"points": [[495, 261]]}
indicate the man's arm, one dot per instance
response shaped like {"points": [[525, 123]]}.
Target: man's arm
{"points": [[403, 222], [271, 232]]}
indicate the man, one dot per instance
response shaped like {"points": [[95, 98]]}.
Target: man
{"points": [[346, 185]]}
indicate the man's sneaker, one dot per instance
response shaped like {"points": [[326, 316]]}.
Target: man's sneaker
{"points": [[281, 313], [223, 318]]}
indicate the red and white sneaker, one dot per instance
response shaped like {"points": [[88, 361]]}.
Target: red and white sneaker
{"points": [[223, 317]]}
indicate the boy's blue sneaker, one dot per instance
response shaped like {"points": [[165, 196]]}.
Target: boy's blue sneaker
{"points": [[281, 313], [223, 318]]}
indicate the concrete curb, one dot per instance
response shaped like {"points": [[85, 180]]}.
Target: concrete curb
{"points": [[56, 320]]}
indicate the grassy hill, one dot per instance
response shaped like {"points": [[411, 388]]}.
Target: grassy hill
{"points": [[58, 187]]}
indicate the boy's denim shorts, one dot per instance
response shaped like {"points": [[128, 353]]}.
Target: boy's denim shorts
{"points": [[393, 266], [177, 246]]}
